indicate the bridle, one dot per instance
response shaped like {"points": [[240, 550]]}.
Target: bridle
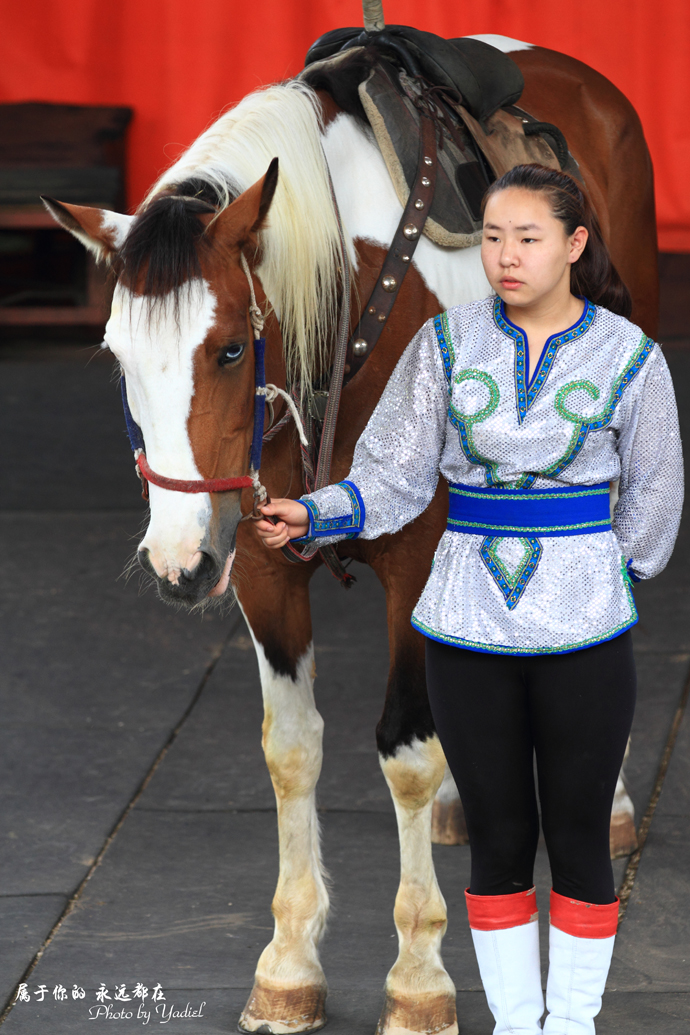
{"points": [[351, 351], [263, 393]]}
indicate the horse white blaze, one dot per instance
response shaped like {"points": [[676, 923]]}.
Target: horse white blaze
{"points": [[371, 211], [418, 981], [155, 346], [292, 742]]}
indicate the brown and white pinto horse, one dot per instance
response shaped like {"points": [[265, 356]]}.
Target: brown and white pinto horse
{"points": [[179, 328]]}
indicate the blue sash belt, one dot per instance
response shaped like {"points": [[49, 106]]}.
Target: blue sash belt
{"points": [[577, 510]]}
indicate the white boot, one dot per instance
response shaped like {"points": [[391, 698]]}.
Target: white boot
{"points": [[581, 937], [505, 933]]}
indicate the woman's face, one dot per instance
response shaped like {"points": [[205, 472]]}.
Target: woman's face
{"points": [[525, 251]]}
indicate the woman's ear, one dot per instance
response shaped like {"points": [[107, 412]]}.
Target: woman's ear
{"points": [[578, 240]]}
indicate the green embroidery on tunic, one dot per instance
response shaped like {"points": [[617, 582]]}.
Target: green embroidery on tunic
{"points": [[465, 421], [583, 425]]}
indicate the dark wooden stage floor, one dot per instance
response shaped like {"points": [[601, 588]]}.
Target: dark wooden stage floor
{"points": [[130, 753]]}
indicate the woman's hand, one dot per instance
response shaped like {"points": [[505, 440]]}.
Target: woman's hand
{"points": [[292, 523]]}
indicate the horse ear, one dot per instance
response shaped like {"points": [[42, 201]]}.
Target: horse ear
{"points": [[241, 220], [268, 189], [101, 231]]}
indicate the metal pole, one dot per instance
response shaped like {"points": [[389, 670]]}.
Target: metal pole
{"points": [[373, 15]]}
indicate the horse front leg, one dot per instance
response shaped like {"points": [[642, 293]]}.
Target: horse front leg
{"points": [[420, 996], [289, 990]]}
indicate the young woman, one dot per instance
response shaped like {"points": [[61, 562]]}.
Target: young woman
{"points": [[530, 403]]}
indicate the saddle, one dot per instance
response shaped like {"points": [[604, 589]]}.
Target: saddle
{"points": [[469, 88], [485, 78]]}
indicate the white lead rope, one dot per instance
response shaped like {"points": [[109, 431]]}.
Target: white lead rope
{"points": [[272, 392]]}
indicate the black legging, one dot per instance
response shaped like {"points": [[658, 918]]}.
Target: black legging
{"points": [[493, 713]]}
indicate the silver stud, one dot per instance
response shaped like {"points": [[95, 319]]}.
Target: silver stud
{"points": [[381, 317], [371, 310], [405, 258], [427, 160], [410, 231], [389, 283], [419, 203], [425, 181], [360, 346]]}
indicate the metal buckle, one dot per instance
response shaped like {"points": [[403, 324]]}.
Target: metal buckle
{"points": [[317, 406]]}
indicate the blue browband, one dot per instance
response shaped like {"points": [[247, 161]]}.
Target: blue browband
{"points": [[577, 510]]}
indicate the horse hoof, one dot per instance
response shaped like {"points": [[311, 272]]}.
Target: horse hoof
{"points": [[418, 1015], [448, 825], [269, 1028], [283, 1011], [622, 835]]}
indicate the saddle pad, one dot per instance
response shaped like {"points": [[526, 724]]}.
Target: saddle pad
{"points": [[454, 220]]}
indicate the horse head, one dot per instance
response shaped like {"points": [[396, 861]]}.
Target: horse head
{"points": [[179, 327]]}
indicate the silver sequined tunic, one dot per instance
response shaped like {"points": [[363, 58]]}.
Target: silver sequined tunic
{"points": [[600, 408]]}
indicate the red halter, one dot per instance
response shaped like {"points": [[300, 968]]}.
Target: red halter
{"points": [[197, 485]]}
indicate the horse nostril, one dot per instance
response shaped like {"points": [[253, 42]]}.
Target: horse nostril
{"points": [[205, 568], [144, 558]]}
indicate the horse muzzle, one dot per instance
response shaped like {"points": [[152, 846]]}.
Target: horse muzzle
{"points": [[203, 577]]}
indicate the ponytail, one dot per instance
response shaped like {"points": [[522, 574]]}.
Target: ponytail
{"points": [[593, 275]]}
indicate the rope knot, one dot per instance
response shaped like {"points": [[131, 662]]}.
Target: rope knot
{"points": [[256, 317], [271, 392]]}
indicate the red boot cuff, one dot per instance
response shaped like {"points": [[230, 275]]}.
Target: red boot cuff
{"points": [[497, 912], [583, 919]]}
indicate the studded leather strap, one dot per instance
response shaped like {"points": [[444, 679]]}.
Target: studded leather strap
{"points": [[397, 261]]}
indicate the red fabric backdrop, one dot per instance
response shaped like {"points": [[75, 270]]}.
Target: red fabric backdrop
{"points": [[179, 64]]}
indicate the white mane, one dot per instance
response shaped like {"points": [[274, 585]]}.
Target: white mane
{"points": [[300, 245]]}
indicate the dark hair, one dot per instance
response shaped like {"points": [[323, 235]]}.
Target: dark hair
{"points": [[593, 275], [166, 237]]}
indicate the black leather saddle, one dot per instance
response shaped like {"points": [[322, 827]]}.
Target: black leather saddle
{"points": [[484, 78]]}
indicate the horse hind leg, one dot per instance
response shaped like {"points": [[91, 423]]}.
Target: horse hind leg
{"points": [[420, 996], [448, 826], [289, 992], [622, 834]]}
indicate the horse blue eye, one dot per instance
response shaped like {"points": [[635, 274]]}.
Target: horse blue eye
{"points": [[231, 353]]}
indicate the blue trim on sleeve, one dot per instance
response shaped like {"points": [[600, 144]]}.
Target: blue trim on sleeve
{"points": [[359, 513], [346, 525], [310, 508], [633, 576]]}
